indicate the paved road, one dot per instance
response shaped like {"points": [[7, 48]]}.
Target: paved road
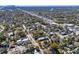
{"points": [[32, 40], [49, 21], [30, 37]]}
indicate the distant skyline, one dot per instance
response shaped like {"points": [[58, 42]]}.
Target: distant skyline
{"points": [[38, 2]]}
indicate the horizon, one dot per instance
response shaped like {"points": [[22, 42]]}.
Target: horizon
{"points": [[38, 2], [41, 5]]}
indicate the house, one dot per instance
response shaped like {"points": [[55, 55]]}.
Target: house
{"points": [[43, 38], [1, 28], [70, 25], [36, 52], [51, 33], [22, 40], [10, 34], [77, 32], [63, 33]]}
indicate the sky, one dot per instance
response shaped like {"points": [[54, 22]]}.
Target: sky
{"points": [[39, 2]]}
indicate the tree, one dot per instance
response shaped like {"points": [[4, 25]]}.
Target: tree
{"points": [[2, 38]]}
